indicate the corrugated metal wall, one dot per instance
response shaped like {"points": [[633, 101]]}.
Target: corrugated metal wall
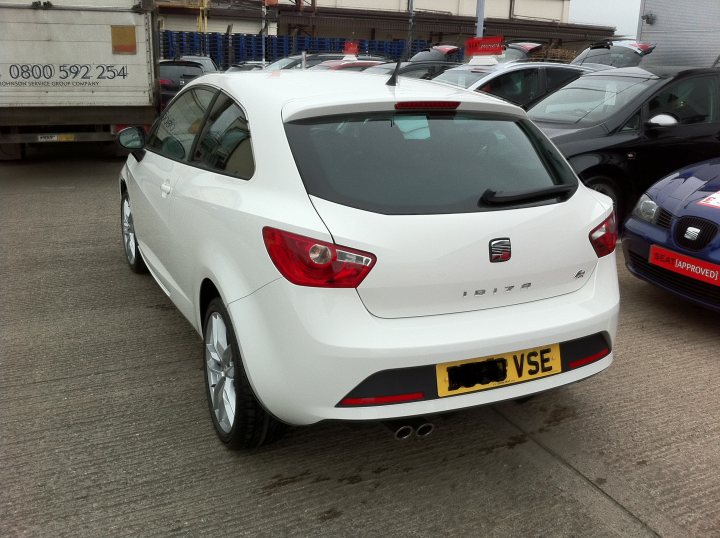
{"points": [[687, 32]]}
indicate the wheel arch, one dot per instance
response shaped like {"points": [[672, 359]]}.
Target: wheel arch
{"points": [[208, 292], [615, 174]]}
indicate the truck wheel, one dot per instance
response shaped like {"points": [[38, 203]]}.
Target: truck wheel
{"points": [[12, 152], [132, 251], [239, 419]]}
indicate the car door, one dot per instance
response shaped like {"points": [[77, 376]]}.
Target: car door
{"points": [[168, 147], [222, 158], [695, 103]]}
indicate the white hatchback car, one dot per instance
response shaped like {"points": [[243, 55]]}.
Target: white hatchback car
{"points": [[353, 250]]}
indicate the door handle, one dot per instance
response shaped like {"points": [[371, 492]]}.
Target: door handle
{"points": [[166, 189]]}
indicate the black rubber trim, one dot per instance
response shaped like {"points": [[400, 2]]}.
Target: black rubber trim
{"points": [[423, 378]]}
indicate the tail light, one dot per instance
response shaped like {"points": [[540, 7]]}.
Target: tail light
{"points": [[604, 237], [165, 82], [309, 262]]}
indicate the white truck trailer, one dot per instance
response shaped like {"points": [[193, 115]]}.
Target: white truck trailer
{"points": [[74, 70]]}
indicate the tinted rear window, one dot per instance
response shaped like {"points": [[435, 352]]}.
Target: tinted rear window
{"points": [[616, 56], [176, 72], [422, 163]]}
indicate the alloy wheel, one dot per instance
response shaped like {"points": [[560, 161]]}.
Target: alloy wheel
{"points": [[220, 372], [128, 230]]}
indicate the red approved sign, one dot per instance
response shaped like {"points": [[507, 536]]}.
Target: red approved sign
{"points": [[477, 46], [685, 265]]}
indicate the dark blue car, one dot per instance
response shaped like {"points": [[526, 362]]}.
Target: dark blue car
{"points": [[671, 239]]}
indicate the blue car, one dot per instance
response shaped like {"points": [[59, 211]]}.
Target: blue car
{"points": [[671, 239]]}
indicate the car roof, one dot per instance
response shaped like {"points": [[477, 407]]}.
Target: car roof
{"points": [[665, 71], [510, 66], [297, 93]]}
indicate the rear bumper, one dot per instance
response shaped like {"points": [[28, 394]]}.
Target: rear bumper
{"points": [[305, 349]]}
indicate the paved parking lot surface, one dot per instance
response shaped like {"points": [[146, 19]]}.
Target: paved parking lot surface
{"points": [[104, 429]]}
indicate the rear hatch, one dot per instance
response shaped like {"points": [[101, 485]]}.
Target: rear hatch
{"points": [[463, 211]]}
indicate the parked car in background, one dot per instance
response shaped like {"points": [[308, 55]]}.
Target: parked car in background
{"points": [[619, 53], [208, 64], [671, 238], [443, 53], [521, 83], [295, 61], [345, 65], [623, 129], [173, 75], [419, 69], [339, 266], [249, 65], [520, 50]]}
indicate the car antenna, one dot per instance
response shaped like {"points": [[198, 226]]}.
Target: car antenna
{"points": [[392, 81]]}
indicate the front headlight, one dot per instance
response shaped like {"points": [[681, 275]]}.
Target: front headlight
{"points": [[645, 209]]}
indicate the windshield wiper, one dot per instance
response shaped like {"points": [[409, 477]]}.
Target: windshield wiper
{"points": [[491, 197]]}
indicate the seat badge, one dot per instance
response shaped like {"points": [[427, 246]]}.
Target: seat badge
{"points": [[692, 233], [500, 250]]}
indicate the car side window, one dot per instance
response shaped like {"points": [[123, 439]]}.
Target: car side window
{"points": [[633, 124], [519, 87], [689, 101], [225, 143], [558, 77], [175, 131]]}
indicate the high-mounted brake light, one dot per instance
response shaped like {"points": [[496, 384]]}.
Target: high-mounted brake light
{"points": [[425, 105], [310, 262], [604, 237]]}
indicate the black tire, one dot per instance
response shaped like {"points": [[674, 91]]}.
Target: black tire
{"points": [[129, 239], [251, 426], [609, 187]]}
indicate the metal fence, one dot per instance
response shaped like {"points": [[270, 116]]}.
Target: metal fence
{"points": [[226, 49]]}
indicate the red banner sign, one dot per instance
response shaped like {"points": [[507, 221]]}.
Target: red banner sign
{"points": [[479, 46], [351, 47], [685, 265]]}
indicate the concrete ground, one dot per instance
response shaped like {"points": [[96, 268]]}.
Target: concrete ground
{"points": [[104, 429]]}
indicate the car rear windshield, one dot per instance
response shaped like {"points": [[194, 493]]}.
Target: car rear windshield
{"points": [[616, 56], [177, 72], [589, 99], [423, 162]]}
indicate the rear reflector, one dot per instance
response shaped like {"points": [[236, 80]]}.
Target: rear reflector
{"points": [[380, 400], [425, 105], [604, 237], [310, 262], [587, 360]]}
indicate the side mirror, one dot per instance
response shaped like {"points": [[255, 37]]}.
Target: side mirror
{"points": [[662, 120], [132, 138]]}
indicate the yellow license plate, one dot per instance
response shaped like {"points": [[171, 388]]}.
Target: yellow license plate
{"points": [[485, 373]]}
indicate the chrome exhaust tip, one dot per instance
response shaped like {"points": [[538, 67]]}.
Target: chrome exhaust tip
{"points": [[424, 430], [406, 429], [403, 433]]}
